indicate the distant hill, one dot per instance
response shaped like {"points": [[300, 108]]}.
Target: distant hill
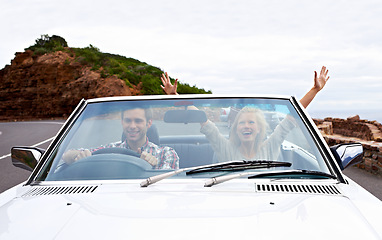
{"points": [[50, 78]]}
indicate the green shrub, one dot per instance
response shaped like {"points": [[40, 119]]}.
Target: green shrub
{"points": [[89, 55], [151, 85], [46, 44]]}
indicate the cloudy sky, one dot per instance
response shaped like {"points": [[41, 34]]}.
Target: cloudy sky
{"points": [[253, 46]]}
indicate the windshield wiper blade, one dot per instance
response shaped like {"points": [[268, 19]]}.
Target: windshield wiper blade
{"points": [[227, 166], [239, 165], [294, 172], [221, 179], [157, 178]]}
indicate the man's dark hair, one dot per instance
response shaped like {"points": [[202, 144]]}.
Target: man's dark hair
{"points": [[148, 112]]}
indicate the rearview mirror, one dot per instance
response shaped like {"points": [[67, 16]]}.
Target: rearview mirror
{"points": [[26, 157], [347, 154], [185, 116]]}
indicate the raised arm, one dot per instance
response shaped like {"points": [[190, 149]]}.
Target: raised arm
{"points": [[319, 83]]}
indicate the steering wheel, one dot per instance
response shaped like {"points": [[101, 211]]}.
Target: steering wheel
{"points": [[106, 164], [117, 150]]}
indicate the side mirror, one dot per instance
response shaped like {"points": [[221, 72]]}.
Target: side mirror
{"points": [[347, 154], [26, 157]]}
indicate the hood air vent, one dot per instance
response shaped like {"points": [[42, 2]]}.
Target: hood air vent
{"points": [[38, 191], [298, 188]]}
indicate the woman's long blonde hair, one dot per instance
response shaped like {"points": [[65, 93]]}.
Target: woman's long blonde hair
{"points": [[262, 126]]}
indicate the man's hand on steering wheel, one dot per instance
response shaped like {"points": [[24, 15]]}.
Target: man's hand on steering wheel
{"points": [[148, 157], [72, 156]]}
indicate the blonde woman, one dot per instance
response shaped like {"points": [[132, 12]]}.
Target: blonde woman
{"points": [[248, 133]]}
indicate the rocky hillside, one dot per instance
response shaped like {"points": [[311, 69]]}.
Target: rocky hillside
{"points": [[49, 79], [352, 127], [51, 85]]}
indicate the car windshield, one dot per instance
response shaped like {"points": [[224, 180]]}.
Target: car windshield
{"points": [[138, 138]]}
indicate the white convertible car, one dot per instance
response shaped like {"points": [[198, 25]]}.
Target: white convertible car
{"points": [[167, 167]]}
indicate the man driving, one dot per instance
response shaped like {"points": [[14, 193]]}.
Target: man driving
{"points": [[135, 124]]}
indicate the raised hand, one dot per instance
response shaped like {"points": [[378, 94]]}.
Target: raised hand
{"points": [[320, 81], [167, 87]]}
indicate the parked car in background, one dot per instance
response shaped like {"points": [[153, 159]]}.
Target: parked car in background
{"points": [[296, 190]]}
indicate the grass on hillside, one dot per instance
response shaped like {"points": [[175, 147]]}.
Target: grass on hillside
{"points": [[130, 70]]}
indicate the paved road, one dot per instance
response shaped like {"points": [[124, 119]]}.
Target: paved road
{"points": [[369, 181], [22, 134], [39, 134]]}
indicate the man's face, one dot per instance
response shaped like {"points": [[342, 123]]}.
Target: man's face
{"points": [[135, 125]]}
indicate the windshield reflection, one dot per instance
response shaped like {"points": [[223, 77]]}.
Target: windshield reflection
{"points": [[149, 137]]}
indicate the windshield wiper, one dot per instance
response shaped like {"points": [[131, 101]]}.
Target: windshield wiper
{"points": [[157, 178], [221, 179], [294, 172], [240, 165], [225, 166]]}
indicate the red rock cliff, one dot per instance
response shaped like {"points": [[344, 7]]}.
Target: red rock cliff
{"points": [[51, 85]]}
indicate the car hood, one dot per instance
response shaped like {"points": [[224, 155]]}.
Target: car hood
{"points": [[174, 211]]}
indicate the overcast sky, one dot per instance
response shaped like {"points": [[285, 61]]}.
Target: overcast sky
{"points": [[259, 47]]}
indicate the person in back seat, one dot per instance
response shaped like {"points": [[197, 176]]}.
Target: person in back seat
{"points": [[135, 124], [246, 140]]}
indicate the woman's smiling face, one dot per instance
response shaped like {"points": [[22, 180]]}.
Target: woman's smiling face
{"points": [[247, 128]]}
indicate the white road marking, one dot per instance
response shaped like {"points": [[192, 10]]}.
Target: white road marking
{"points": [[5, 156], [45, 141], [37, 144]]}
